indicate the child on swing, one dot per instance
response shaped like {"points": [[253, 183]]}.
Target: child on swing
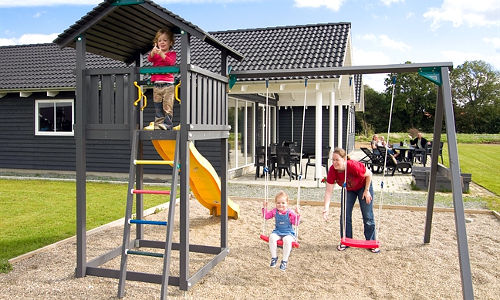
{"points": [[284, 230]]}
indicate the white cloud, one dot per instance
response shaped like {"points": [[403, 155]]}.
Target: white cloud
{"points": [[362, 58], [389, 2], [368, 37], [384, 41], [29, 39], [34, 3], [387, 42], [459, 58], [368, 58], [469, 12], [331, 4], [494, 41], [409, 15], [494, 61]]}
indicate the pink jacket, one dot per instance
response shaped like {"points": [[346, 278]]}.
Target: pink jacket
{"points": [[294, 219], [157, 61]]}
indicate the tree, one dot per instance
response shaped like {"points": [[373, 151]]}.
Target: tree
{"points": [[375, 117], [414, 102], [476, 97]]}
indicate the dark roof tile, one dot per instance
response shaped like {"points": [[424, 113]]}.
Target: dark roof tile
{"points": [[290, 47]]}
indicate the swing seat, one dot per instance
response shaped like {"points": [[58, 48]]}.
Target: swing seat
{"points": [[280, 242], [370, 244]]}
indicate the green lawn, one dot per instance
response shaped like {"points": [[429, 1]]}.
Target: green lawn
{"points": [[482, 161], [36, 213]]}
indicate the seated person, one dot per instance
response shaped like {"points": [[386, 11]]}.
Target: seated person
{"points": [[375, 142], [419, 142], [389, 149], [382, 141]]}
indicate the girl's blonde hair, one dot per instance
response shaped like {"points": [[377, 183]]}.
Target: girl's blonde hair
{"points": [[341, 152], [281, 194], [170, 36]]}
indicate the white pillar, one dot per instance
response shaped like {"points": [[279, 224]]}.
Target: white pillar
{"points": [[275, 116], [339, 135], [331, 123], [319, 133]]}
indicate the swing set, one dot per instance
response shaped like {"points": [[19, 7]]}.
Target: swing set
{"points": [[437, 73]]}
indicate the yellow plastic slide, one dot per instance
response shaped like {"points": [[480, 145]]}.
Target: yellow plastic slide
{"points": [[204, 181]]}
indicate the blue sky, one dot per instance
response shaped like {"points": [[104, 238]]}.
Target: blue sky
{"points": [[383, 31]]}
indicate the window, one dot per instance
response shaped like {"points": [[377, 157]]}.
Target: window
{"points": [[241, 140], [54, 117]]}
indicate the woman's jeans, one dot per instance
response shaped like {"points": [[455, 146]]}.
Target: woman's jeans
{"points": [[366, 211]]}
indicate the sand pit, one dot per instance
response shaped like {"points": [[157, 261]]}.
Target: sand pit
{"points": [[404, 269]]}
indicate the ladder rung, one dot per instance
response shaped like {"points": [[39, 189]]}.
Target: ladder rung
{"points": [[133, 191], [153, 162], [148, 222], [143, 253]]}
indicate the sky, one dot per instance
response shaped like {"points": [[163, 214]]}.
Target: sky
{"points": [[383, 31]]}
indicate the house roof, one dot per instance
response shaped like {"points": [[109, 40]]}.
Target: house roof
{"points": [[43, 66], [290, 47], [122, 31], [281, 48]]}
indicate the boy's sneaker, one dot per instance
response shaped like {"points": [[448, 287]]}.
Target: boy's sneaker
{"points": [[274, 260], [283, 265]]}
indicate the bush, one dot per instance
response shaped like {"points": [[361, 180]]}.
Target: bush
{"points": [[5, 266]]}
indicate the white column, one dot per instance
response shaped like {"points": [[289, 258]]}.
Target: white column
{"points": [[331, 123], [275, 116], [339, 134], [319, 133]]}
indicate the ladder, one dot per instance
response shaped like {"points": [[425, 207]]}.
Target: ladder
{"points": [[127, 244]]}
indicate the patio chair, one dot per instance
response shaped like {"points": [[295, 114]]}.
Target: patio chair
{"points": [[311, 160], [260, 160], [295, 153], [392, 164], [284, 162], [429, 150], [376, 162]]}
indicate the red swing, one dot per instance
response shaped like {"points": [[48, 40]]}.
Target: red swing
{"points": [[265, 238], [370, 244], [349, 242]]}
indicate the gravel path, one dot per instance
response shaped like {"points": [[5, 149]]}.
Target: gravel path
{"points": [[404, 269], [404, 198]]}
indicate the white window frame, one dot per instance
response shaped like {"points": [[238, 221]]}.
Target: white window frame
{"points": [[54, 103]]}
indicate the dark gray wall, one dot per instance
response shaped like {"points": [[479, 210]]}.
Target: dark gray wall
{"points": [[285, 132], [21, 149]]}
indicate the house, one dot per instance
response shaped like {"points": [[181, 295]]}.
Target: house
{"points": [[37, 93]]}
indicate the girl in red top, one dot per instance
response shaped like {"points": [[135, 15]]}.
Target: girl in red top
{"points": [[163, 90], [359, 186]]}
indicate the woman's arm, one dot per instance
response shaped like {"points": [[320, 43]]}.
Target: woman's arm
{"points": [[368, 180], [328, 194]]}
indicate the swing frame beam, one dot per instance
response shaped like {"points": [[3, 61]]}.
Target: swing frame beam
{"points": [[444, 106]]}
